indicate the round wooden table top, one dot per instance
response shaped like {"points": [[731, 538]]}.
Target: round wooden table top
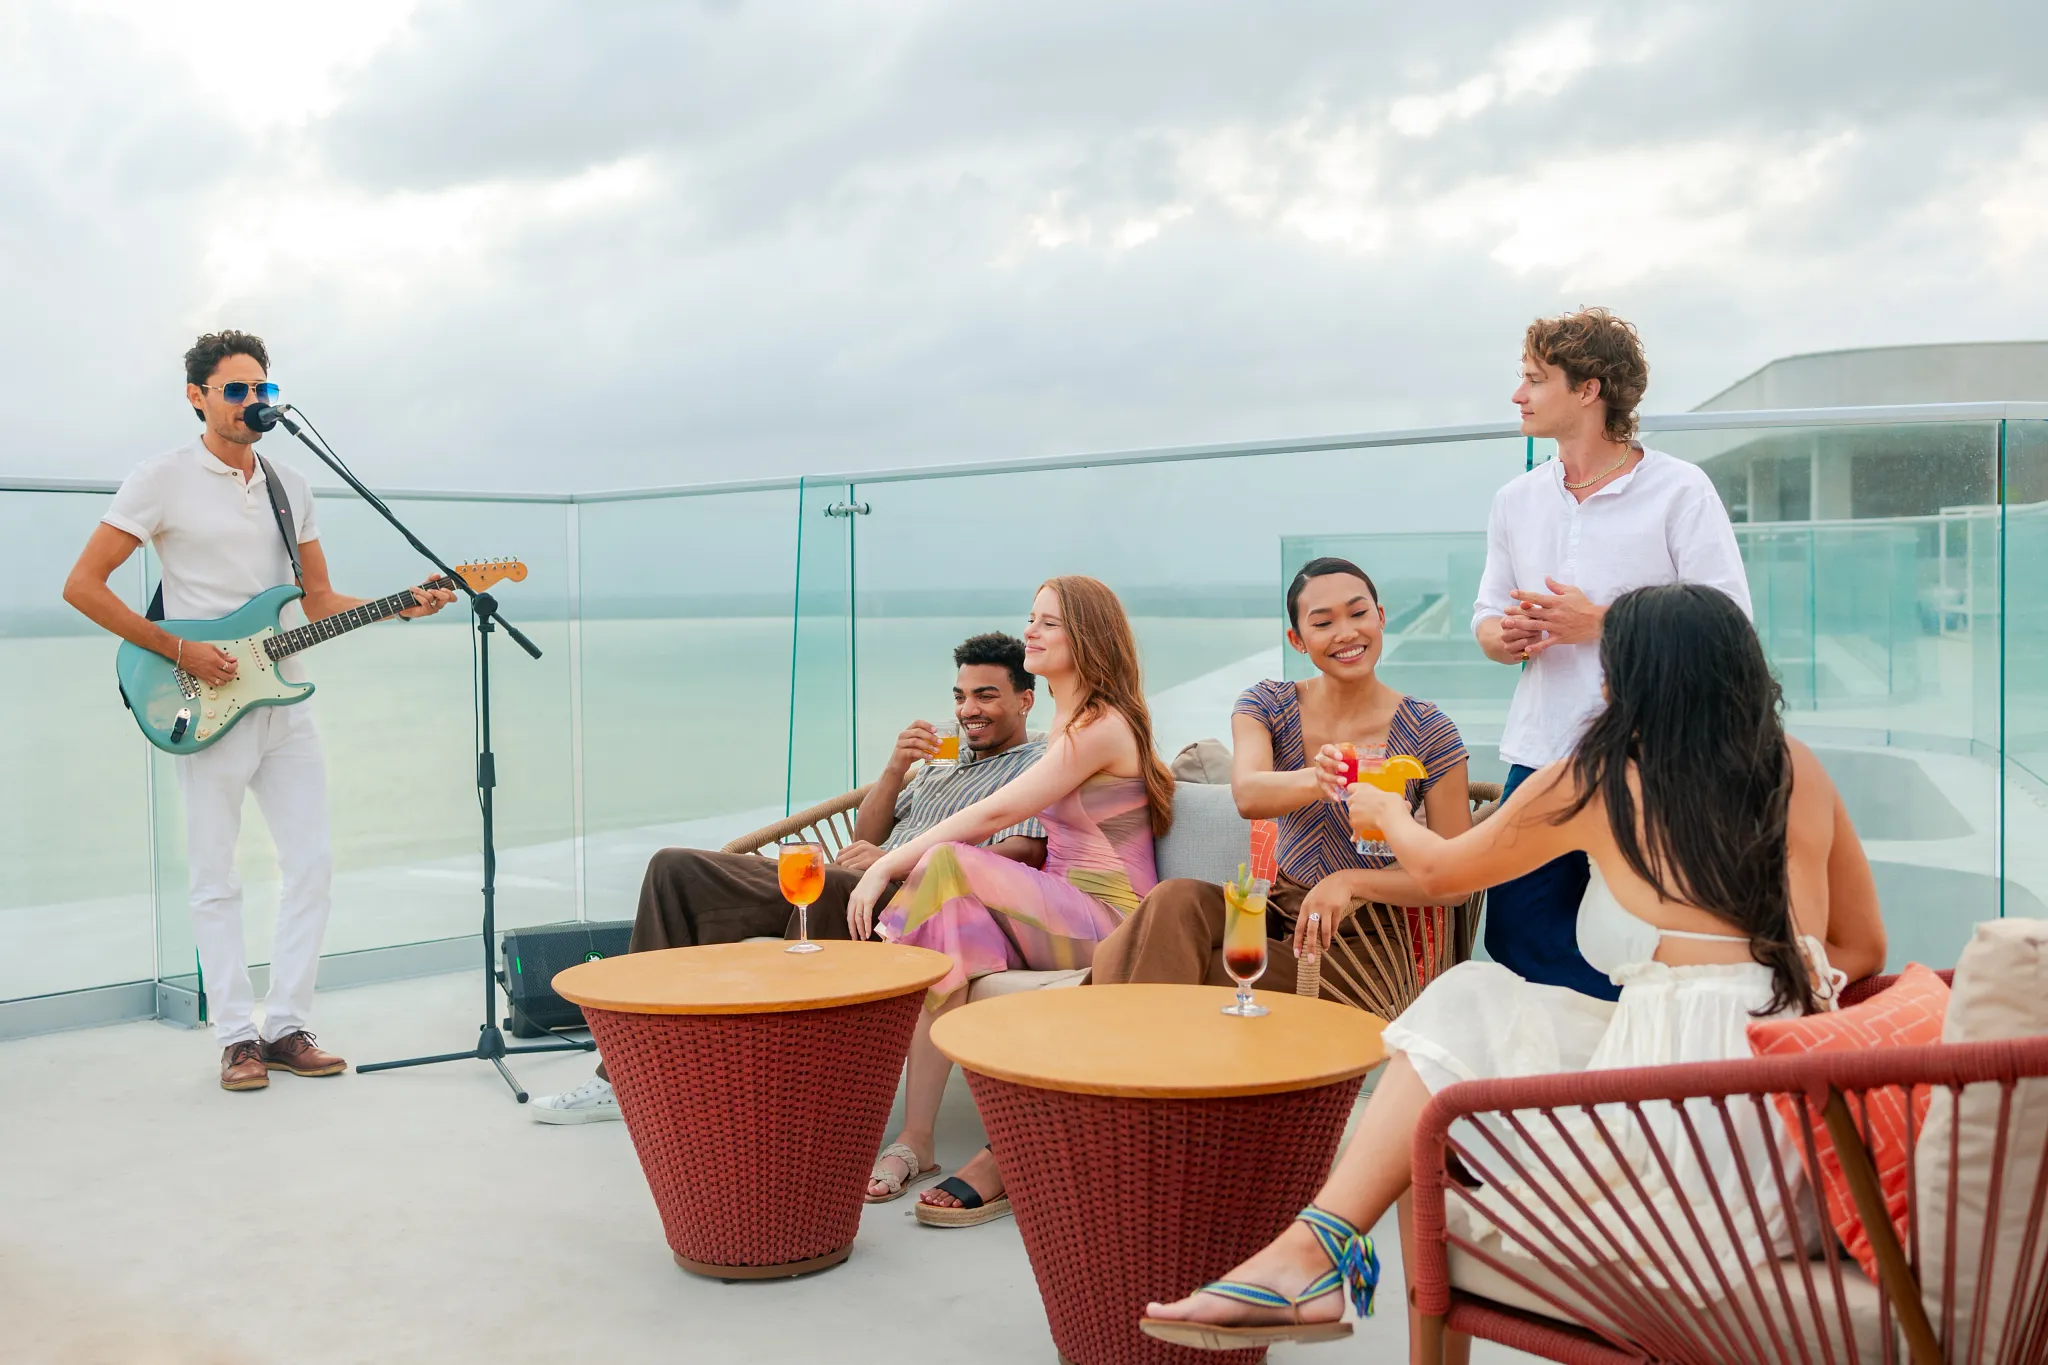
{"points": [[1160, 1042], [750, 978]]}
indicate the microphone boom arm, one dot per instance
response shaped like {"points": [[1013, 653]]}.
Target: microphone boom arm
{"points": [[483, 603]]}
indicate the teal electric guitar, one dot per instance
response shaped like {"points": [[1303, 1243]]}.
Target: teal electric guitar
{"points": [[182, 715]]}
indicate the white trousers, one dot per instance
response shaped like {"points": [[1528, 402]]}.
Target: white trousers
{"points": [[276, 754]]}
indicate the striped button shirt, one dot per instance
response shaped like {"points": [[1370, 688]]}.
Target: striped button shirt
{"points": [[936, 793], [1316, 839]]}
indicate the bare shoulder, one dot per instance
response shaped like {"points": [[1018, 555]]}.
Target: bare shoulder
{"points": [[1810, 780], [1105, 741]]}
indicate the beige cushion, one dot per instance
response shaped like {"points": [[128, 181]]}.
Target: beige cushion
{"points": [[1859, 1296], [1009, 983], [2001, 991], [1206, 760]]}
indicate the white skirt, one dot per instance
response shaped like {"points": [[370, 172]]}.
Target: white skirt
{"points": [[1479, 1021]]}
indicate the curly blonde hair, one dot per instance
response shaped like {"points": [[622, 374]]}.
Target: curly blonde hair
{"points": [[1594, 344]]}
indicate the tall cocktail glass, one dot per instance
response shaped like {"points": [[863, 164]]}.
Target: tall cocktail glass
{"points": [[1389, 775], [1244, 940]]}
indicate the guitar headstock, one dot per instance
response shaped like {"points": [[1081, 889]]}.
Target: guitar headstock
{"points": [[489, 573]]}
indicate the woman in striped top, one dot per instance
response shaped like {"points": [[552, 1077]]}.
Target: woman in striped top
{"points": [[1335, 618]]}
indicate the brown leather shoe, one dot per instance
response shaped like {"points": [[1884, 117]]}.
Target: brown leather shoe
{"points": [[295, 1053], [241, 1068]]}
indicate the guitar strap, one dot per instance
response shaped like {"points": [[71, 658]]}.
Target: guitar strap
{"points": [[280, 508]]}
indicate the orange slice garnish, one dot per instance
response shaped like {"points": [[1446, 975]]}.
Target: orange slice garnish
{"points": [[1406, 767]]}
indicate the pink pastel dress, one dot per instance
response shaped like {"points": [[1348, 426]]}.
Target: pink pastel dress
{"points": [[991, 914]]}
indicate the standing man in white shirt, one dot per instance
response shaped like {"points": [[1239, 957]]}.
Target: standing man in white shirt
{"points": [[207, 509], [1563, 541]]}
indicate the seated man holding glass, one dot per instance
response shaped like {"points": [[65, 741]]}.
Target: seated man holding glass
{"points": [[692, 897]]}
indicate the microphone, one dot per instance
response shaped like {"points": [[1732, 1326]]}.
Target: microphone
{"points": [[262, 416]]}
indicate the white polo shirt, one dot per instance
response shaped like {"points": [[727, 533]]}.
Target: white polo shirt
{"points": [[1662, 522], [215, 536]]}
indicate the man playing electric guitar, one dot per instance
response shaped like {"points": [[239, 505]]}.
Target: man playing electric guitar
{"points": [[219, 532]]}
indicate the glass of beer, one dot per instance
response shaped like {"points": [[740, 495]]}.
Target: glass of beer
{"points": [[800, 868], [948, 755], [1244, 940]]}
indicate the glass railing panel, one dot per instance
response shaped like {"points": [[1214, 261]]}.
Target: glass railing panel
{"points": [[74, 812], [685, 671], [1873, 559], [822, 703], [2023, 638], [397, 723], [1191, 546]]}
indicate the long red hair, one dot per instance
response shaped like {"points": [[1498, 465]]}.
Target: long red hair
{"points": [[1106, 657]]}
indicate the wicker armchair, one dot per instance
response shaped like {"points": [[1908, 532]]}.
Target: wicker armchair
{"points": [[1967, 1281]]}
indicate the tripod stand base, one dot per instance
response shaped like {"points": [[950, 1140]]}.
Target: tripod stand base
{"points": [[490, 1047], [764, 1272]]}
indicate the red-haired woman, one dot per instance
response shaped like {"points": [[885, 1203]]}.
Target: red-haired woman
{"points": [[1102, 795]]}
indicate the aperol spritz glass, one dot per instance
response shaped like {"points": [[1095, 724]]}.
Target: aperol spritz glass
{"points": [[800, 868]]}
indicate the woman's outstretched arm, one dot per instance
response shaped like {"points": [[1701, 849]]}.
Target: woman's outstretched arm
{"points": [[1520, 837]]}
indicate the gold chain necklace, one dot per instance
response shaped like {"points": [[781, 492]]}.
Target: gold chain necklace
{"points": [[1588, 483]]}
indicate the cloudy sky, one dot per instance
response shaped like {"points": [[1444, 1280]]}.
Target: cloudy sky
{"points": [[546, 245]]}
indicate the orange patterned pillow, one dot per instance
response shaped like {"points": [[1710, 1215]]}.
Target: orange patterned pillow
{"points": [[1908, 1013], [1266, 849]]}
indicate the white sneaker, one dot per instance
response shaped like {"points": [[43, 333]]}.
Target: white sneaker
{"points": [[590, 1102]]}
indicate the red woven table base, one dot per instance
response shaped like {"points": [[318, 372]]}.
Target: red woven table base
{"points": [[1123, 1201], [757, 1131]]}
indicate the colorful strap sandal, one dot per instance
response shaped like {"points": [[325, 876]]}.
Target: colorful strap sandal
{"points": [[1354, 1268]]}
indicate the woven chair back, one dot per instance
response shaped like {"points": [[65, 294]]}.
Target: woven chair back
{"points": [[1614, 1216], [829, 823]]}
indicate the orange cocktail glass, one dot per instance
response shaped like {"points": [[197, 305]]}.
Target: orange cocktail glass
{"points": [[1391, 774], [800, 869]]}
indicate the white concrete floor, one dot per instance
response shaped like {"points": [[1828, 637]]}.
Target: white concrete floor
{"points": [[149, 1218]]}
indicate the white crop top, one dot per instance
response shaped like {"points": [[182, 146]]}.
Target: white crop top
{"points": [[1613, 939]]}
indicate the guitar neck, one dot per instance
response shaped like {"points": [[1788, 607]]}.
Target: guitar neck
{"points": [[289, 642]]}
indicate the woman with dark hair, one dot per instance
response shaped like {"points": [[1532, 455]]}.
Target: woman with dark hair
{"points": [[1102, 795], [1727, 885], [1335, 620]]}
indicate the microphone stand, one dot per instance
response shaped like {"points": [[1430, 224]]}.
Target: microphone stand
{"points": [[484, 615]]}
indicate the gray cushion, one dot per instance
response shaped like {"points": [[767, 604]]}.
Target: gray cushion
{"points": [[1208, 839]]}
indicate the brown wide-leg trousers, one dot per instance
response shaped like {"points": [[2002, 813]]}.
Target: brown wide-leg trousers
{"points": [[1176, 935], [690, 897]]}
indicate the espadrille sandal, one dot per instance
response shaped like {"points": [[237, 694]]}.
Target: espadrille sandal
{"points": [[899, 1186], [1354, 1268], [973, 1210]]}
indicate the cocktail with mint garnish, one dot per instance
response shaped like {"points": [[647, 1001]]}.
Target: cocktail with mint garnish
{"points": [[1244, 938]]}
